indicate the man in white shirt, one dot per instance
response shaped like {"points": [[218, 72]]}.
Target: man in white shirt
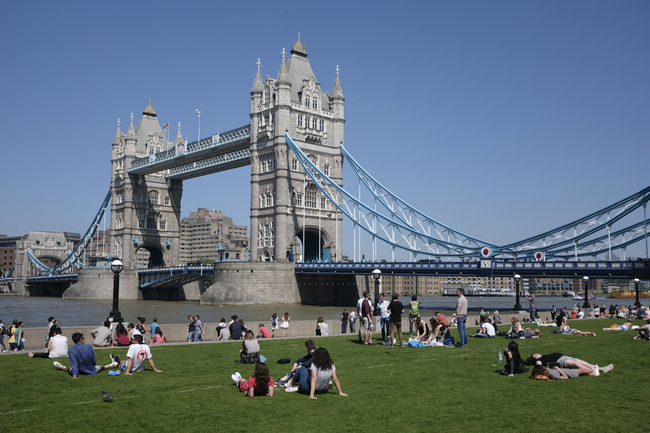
{"points": [[360, 309], [137, 354], [384, 316], [485, 331]]}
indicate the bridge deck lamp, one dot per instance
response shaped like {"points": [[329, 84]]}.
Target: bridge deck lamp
{"points": [[637, 304], [585, 280], [517, 278], [376, 274], [116, 267]]}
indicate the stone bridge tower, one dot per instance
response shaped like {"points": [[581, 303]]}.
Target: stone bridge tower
{"points": [[145, 210], [287, 212]]}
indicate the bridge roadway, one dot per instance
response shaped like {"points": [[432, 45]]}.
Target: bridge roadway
{"points": [[593, 269], [216, 153]]}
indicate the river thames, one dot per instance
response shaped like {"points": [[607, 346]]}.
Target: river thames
{"points": [[34, 311]]}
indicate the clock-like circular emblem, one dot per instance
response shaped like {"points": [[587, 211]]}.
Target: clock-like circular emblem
{"points": [[486, 251], [539, 256]]}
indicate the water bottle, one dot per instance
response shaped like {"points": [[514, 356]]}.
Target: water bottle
{"points": [[500, 357]]}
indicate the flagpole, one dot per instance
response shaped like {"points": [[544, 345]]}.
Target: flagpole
{"points": [[198, 113]]}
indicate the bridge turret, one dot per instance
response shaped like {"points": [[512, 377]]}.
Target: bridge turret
{"points": [[130, 140], [337, 105]]}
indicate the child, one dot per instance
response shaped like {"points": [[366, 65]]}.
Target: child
{"points": [[285, 325], [259, 384], [274, 324], [158, 337]]}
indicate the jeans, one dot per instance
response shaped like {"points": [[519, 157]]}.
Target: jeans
{"points": [[344, 326], [302, 377], [532, 314], [462, 330], [198, 336], [352, 323], [383, 324], [411, 322], [484, 336]]}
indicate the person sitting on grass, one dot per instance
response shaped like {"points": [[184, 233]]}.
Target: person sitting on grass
{"points": [[102, 336], [516, 330], [439, 332], [567, 362], [158, 336], [82, 359], [422, 329], [259, 384], [486, 330], [305, 360], [250, 352], [624, 327], [513, 359], [57, 346], [556, 373], [643, 332], [121, 336], [137, 354], [316, 380]]}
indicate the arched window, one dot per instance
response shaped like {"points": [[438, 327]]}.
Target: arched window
{"points": [[267, 96]]}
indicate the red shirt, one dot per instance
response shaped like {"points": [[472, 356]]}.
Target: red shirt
{"points": [[442, 319], [265, 332]]}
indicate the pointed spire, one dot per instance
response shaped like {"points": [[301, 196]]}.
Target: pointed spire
{"points": [[118, 134], [179, 136], [257, 84], [337, 93], [283, 75], [131, 132]]}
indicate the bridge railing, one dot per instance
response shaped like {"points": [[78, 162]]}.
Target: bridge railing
{"points": [[228, 138]]}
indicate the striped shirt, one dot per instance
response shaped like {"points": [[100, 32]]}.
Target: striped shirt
{"points": [[462, 304]]}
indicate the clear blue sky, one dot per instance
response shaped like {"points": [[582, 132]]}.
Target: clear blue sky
{"points": [[501, 119]]}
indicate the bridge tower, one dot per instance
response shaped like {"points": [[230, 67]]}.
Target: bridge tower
{"points": [[287, 211], [145, 210]]}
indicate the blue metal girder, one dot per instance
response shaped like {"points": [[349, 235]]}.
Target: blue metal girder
{"points": [[49, 279], [600, 269], [217, 144], [74, 256], [238, 158], [160, 277], [395, 233]]}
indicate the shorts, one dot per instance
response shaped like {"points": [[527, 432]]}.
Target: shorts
{"points": [[366, 324], [563, 359], [274, 326], [625, 327]]}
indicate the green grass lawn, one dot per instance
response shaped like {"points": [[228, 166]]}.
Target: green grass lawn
{"points": [[390, 389]]}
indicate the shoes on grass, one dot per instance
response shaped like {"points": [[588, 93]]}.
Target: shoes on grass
{"points": [[608, 368], [111, 365], [115, 358], [291, 389], [236, 377], [58, 365], [596, 370]]}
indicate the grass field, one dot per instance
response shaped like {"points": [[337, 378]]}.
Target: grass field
{"points": [[390, 389]]}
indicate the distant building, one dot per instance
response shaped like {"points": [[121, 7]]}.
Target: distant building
{"points": [[8, 251], [211, 234]]}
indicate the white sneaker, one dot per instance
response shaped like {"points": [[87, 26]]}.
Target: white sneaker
{"points": [[58, 365], [111, 365], [608, 368], [596, 370], [6, 350], [291, 389], [236, 377]]}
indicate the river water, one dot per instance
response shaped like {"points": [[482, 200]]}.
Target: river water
{"points": [[34, 311]]}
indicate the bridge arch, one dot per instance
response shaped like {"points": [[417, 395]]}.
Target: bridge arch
{"points": [[149, 256], [309, 246]]}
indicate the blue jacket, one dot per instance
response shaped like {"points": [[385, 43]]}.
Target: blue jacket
{"points": [[82, 359]]}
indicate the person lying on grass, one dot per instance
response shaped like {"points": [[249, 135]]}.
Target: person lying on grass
{"points": [[556, 373], [321, 371], [565, 329], [136, 355], [82, 359], [564, 361], [259, 384], [624, 327]]}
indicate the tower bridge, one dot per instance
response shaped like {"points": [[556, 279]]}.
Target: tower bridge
{"points": [[294, 145]]}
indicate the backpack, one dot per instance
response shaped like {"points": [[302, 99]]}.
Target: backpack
{"points": [[3, 330], [414, 308]]}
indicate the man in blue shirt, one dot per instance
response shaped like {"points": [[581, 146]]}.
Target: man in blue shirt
{"points": [[82, 359]]}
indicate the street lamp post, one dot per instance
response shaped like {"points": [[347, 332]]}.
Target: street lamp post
{"points": [[585, 280], [637, 304], [376, 274], [517, 304], [116, 267]]}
